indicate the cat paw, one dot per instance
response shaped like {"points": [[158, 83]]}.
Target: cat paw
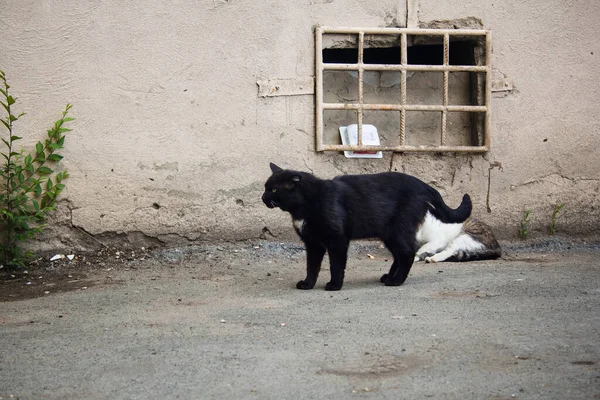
{"points": [[333, 286], [390, 282], [430, 260], [387, 281], [304, 285]]}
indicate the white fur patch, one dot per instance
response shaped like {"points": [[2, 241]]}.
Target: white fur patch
{"points": [[298, 225], [434, 230]]}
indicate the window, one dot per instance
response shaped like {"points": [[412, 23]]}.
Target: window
{"points": [[423, 89]]}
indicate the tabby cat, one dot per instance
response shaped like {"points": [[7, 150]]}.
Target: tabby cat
{"points": [[469, 241]]}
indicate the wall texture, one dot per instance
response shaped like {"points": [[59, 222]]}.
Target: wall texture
{"points": [[172, 141]]}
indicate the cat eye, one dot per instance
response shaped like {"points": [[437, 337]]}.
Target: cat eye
{"points": [[273, 190]]}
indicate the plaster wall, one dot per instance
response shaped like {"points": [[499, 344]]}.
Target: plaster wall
{"points": [[172, 140]]}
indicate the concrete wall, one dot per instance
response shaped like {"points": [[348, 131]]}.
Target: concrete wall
{"points": [[172, 141]]}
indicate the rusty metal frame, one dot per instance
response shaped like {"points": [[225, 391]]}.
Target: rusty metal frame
{"points": [[403, 67]]}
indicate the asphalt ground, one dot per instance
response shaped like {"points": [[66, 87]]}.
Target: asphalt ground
{"points": [[226, 322]]}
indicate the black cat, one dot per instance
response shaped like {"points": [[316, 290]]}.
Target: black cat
{"points": [[327, 214]]}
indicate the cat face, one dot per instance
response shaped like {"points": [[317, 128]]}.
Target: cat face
{"points": [[282, 190]]}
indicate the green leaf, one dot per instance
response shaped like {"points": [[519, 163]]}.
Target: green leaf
{"points": [[54, 146], [28, 160], [5, 123], [39, 148], [30, 169], [21, 178], [15, 138], [49, 185], [55, 157], [45, 170], [41, 157], [7, 213], [12, 118], [5, 142], [63, 130], [10, 100], [36, 205], [60, 187], [68, 119], [38, 190]]}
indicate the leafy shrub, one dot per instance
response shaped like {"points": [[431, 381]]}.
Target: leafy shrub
{"points": [[28, 185]]}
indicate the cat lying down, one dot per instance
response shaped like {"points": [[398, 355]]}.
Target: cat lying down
{"points": [[397, 208], [468, 241]]}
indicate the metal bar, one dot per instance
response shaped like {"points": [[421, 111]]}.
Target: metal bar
{"points": [[359, 114], [488, 88], [319, 88], [446, 62], [400, 107], [462, 149], [408, 67], [408, 31], [404, 62]]}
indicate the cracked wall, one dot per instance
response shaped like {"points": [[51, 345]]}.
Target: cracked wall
{"points": [[173, 138]]}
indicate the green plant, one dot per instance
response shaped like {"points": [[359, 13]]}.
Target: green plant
{"points": [[28, 186], [524, 229], [557, 208]]}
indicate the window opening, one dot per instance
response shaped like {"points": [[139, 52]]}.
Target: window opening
{"points": [[423, 89]]}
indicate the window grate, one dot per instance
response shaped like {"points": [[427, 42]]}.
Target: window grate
{"points": [[480, 74]]}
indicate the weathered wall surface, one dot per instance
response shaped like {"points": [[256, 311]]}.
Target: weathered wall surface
{"points": [[172, 141]]}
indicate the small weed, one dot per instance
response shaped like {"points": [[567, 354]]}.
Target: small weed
{"points": [[557, 208], [524, 229]]}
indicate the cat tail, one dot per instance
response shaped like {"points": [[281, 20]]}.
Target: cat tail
{"points": [[441, 211], [477, 255]]}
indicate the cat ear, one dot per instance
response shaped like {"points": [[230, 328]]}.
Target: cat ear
{"points": [[274, 168]]}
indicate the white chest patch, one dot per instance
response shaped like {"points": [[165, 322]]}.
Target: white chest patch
{"points": [[298, 225]]}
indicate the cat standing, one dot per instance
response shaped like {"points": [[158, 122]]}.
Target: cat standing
{"points": [[327, 214]]}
